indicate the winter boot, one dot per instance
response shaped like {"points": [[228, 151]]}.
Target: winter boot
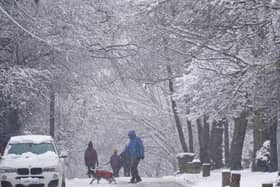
{"points": [[132, 180], [138, 179]]}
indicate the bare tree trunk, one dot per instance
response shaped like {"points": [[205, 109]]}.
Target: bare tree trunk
{"points": [[226, 142], [273, 139], [157, 169], [10, 124], [189, 123], [240, 126], [200, 137], [13, 122], [258, 137], [278, 139], [206, 140], [216, 150], [52, 112], [175, 112]]}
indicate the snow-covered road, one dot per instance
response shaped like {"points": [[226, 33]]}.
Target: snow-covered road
{"points": [[248, 179], [124, 182]]}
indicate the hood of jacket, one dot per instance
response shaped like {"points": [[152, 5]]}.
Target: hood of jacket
{"points": [[131, 134]]}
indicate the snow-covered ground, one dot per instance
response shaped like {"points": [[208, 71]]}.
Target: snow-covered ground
{"points": [[151, 182], [248, 179]]}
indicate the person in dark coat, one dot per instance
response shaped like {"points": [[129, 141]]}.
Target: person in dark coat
{"points": [[91, 159], [115, 162], [136, 151], [126, 162]]}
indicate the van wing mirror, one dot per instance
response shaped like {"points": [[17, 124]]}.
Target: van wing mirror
{"points": [[63, 154]]}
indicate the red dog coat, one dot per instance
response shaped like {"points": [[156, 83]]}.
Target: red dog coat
{"points": [[103, 174]]}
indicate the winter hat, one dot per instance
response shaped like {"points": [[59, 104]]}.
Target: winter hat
{"points": [[90, 144]]}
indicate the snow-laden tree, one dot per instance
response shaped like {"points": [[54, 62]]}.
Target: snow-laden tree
{"points": [[235, 57], [119, 65], [229, 48], [88, 53]]}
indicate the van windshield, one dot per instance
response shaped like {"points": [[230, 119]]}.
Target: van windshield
{"points": [[21, 148]]}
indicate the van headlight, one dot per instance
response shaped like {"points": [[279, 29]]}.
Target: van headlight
{"points": [[50, 169], [8, 170]]}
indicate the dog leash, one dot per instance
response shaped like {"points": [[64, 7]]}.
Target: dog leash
{"points": [[101, 166]]}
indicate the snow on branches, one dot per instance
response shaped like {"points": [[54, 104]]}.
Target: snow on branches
{"points": [[20, 85]]}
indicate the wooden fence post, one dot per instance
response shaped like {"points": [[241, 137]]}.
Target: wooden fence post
{"points": [[235, 180], [206, 170], [267, 185], [226, 178]]}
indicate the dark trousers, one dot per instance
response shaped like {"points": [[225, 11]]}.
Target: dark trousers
{"points": [[134, 170], [116, 172], [126, 170], [90, 172]]}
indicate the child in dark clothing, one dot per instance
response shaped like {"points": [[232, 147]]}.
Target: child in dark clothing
{"points": [[115, 162], [126, 162]]}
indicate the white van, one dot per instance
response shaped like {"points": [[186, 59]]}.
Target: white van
{"points": [[32, 161]]}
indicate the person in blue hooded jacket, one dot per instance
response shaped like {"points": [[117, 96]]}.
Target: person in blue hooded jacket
{"points": [[136, 151]]}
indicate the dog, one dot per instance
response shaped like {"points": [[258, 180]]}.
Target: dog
{"points": [[98, 174]]}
